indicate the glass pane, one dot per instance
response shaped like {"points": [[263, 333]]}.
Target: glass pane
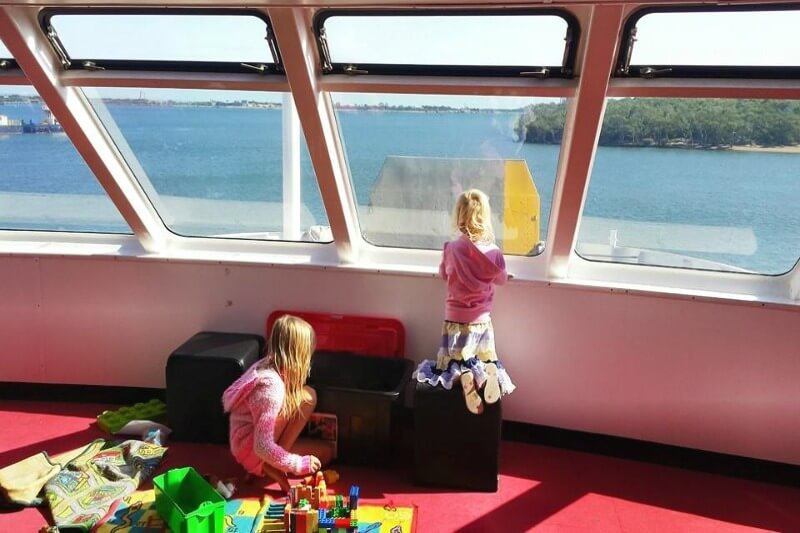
{"points": [[44, 183], [447, 40], [743, 38], [696, 183], [212, 161], [4, 53], [231, 38], [410, 156]]}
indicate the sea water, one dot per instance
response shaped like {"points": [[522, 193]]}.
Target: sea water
{"points": [[738, 208]]}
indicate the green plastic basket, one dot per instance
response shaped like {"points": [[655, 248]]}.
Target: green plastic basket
{"points": [[187, 503]]}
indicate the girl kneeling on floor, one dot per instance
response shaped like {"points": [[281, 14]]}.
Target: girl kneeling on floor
{"points": [[270, 404], [471, 265]]}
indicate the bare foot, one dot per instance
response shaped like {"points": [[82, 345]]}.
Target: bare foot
{"points": [[471, 396], [491, 389]]}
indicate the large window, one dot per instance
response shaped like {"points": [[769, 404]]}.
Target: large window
{"points": [[410, 156], [712, 41], [214, 163], [537, 44], [175, 40], [6, 61], [44, 183], [696, 183]]}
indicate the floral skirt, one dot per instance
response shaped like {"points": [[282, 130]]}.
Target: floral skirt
{"points": [[464, 348]]}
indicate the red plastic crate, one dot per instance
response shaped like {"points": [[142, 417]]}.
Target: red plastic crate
{"points": [[382, 337]]}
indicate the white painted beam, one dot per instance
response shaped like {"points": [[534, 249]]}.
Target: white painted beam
{"points": [[554, 88], [174, 80], [581, 131], [361, 4], [26, 42], [315, 109], [13, 77], [704, 88], [292, 185]]}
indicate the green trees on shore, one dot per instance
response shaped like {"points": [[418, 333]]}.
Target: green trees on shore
{"points": [[692, 123]]}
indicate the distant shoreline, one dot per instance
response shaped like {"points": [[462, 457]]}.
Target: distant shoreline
{"points": [[793, 149], [253, 104]]}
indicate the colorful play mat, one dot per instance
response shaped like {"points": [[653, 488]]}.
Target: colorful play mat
{"points": [[137, 514]]}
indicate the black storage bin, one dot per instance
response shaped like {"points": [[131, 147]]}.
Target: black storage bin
{"points": [[362, 391], [452, 447], [198, 372]]}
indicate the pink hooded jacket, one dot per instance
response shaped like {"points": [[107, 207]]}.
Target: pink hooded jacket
{"points": [[254, 401], [471, 271]]}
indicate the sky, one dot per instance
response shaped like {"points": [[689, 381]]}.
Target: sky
{"points": [[762, 38]]}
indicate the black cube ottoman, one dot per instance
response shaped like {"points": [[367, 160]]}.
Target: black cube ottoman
{"points": [[198, 372], [454, 448]]}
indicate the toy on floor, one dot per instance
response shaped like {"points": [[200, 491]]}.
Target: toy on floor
{"points": [[311, 509], [113, 421]]}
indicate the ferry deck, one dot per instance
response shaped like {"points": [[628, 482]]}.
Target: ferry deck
{"points": [[172, 168]]}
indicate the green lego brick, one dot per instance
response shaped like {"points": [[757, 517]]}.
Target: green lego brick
{"points": [[113, 421]]}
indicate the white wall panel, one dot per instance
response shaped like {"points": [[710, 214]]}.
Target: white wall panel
{"points": [[715, 376], [20, 347]]}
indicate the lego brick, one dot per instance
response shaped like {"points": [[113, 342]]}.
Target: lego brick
{"points": [[353, 500], [303, 521]]}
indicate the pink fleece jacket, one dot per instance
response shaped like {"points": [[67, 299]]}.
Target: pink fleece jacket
{"points": [[471, 271], [254, 401]]}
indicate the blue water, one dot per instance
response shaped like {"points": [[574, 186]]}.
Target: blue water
{"points": [[235, 154]]}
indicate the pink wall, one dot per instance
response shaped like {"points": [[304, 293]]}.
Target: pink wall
{"points": [[714, 376]]}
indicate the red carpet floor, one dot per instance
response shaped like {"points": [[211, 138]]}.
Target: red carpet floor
{"points": [[541, 488]]}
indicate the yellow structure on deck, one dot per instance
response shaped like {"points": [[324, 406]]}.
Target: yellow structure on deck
{"points": [[412, 200], [521, 212]]}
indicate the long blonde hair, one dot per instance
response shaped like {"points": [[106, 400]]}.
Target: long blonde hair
{"points": [[472, 216], [290, 346]]}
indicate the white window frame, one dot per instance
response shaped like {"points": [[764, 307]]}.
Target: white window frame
{"points": [[559, 265]]}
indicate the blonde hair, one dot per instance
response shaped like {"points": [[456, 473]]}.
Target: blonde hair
{"points": [[290, 346], [472, 216]]}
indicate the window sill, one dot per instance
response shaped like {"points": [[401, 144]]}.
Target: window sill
{"points": [[324, 256]]}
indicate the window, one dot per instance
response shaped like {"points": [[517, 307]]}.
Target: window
{"points": [[6, 61], [696, 183], [212, 162], [410, 156], [44, 183], [536, 44], [180, 40], [713, 42]]}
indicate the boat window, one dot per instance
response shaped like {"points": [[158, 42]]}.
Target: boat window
{"points": [[44, 183], [200, 41], [411, 155], [712, 42], [217, 163], [696, 183], [6, 60], [537, 45]]}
